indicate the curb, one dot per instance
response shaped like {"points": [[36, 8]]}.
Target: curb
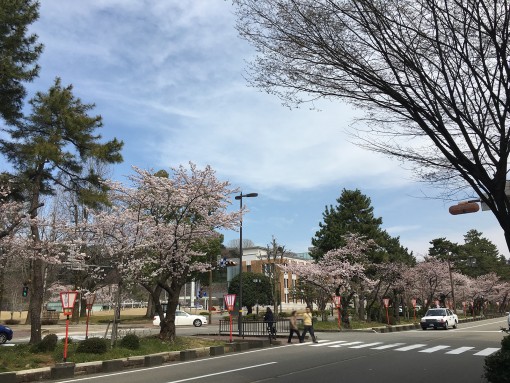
{"points": [[71, 370]]}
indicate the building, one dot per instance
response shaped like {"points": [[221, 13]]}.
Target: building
{"points": [[255, 260]]}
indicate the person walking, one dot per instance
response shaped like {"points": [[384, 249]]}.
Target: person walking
{"points": [[269, 319], [308, 322], [293, 327]]}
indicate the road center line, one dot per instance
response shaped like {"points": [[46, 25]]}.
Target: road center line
{"points": [[221, 373]]}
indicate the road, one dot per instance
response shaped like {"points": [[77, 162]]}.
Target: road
{"points": [[410, 356]]}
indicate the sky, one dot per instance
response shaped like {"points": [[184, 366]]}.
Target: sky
{"points": [[168, 78]]}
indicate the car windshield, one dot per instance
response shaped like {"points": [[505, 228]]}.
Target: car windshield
{"points": [[435, 313]]}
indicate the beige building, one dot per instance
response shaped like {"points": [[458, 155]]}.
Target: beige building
{"points": [[255, 260]]}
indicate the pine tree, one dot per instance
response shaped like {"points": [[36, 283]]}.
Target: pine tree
{"points": [[48, 149], [355, 215], [18, 51]]}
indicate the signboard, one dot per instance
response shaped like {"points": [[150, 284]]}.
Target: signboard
{"points": [[68, 298], [413, 302], [386, 302]]}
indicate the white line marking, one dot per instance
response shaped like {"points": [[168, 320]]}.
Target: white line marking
{"points": [[411, 347], [487, 351], [346, 344], [459, 350], [387, 346], [220, 373], [366, 345], [434, 349], [328, 343]]}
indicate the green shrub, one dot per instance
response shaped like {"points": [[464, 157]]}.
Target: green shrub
{"points": [[204, 313], [93, 346], [48, 343], [130, 341], [496, 365]]}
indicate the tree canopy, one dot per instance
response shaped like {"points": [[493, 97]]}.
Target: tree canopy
{"points": [[431, 75], [19, 51], [354, 214]]}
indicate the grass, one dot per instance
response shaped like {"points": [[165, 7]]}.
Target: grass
{"points": [[21, 357]]}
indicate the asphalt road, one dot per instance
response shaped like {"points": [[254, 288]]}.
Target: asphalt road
{"points": [[410, 356]]}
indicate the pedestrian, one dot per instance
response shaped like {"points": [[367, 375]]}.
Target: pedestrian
{"points": [[269, 319], [293, 327], [308, 322]]}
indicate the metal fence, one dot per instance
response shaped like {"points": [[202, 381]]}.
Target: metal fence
{"points": [[254, 328]]}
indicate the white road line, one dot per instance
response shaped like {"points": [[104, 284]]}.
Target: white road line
{"points": [[411, 347], [434, 349], [387, 346], [487, 351], [327, 343], [220, 373], [366, 345], [459, 350], [345, 344]]}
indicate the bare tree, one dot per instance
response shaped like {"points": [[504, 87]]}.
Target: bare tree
{"points": [[431, 75]]}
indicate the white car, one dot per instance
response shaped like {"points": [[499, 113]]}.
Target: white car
{"points": [[182, 318], [439, 318]]}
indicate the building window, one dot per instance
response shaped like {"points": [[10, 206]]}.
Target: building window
{"points": [[248, 268]]}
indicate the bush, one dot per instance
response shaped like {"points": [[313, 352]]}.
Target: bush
{"points": [[204, 313], [130, 341], [496, 365], [12, 321], [48, 343], [93, 346]]}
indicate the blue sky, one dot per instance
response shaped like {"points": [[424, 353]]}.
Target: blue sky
{"points": [[167, 76]]}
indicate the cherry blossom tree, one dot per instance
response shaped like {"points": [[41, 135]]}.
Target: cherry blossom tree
{"points": [[155, 229], [340, 272]]}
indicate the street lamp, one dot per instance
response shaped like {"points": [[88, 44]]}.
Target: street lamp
{"points": [[240, 320], [451, 281]]}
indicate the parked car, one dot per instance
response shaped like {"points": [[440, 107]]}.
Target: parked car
{"points": [[182, 318], [439, 318], [5, 334]]}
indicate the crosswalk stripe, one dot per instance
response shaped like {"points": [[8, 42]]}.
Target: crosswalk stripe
{"points": [[434, 349], [487, 351], [459, 350], [358, 345], [387, 346], [327, 343], [345, 344], [366, 345], [411, 347]]}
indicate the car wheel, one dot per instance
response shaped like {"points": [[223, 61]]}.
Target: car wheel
{"points": [[423, 328], [455, 325], [446, 325], [197, 323], [3, 338]]}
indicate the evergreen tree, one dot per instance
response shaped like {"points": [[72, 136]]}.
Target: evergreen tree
{"points": [[355, 215], [479, 256], [18, 51], [48, 149]]}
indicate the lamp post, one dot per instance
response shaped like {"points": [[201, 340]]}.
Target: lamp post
{"points": [[240, 301], [451, 281], [67, 298]]}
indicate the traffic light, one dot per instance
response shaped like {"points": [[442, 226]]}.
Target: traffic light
{"points": [[25, 291]]}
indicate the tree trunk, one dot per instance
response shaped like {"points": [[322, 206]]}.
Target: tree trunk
{"points": [[36, 300]]}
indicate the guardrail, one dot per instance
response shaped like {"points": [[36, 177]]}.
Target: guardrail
{"points": [[253, 328]]}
